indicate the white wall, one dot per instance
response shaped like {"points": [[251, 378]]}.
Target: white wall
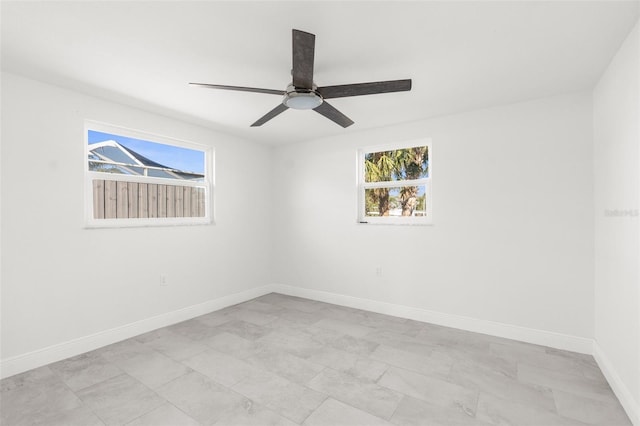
{"points": [[617, 186], [512, 241], [513, 235], [61, 282]]}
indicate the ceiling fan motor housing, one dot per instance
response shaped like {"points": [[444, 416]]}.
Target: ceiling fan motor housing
{"points": [[297, 98]]}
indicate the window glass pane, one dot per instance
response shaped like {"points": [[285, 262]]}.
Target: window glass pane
{"points": [[397, 165], [191, 176], [396, 202], [157, 159], [112, 153], [160, 174], [105, 167], [154, 180]]}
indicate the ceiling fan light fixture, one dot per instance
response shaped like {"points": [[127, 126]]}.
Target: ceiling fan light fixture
{"points": [[303, 94], [302, 100]]}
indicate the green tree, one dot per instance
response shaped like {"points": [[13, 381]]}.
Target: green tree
{"points": [[379, 167], [401, 164], [412, 164]]}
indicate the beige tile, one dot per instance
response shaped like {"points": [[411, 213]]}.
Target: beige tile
{"points": [[354, 345], [285, 322], [244, 329], [253, 317], [480, 359], [567, 382], [252, 414], [401, 341], [453, 338], [36, 397], [272, 298], [342, 313], [584, 358], [201, 398], [503, 412], [366, 369], [476, 375], [589, 410], [196, 329], [297, 303], [41, 376], [388, 322], [284, 364], [216, 318], [296, 342], [173, 345], [430, 389], [284, 356], [515, 349], [436, 364], [120, 399], [84, 370], [362, 394], [344, 327], [336, 413], [165, 415], [143, 363], [257, 305], [334, 358], [341, 341], [293, 401], [79, 416], [231, 344], [222, 368], [416, 412], [347, 362], [407, 328], [537, 356], [300, 318]]}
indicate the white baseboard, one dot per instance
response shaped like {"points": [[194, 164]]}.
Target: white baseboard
{"points": [[24, 362], [44, 356], [524, 334], [621, 390]]}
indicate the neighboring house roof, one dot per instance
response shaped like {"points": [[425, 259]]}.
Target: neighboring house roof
{"points": [[116, 158]]}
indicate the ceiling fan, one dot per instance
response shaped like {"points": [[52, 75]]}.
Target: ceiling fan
{"points": [[303, 93]]}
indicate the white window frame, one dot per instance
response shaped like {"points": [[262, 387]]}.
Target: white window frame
{"points": [[89, 176], [427, 182]]}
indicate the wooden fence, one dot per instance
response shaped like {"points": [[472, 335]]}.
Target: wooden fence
{"points": [[117, 200]]}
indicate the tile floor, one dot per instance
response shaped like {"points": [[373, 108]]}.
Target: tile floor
{"points": [[281, 360]]}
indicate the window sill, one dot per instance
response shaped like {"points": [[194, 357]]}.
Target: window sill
{"points": [[146, 223], [395, 223]]}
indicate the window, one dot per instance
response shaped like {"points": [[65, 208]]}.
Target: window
{"points": [[394, 184], [139, 179]]}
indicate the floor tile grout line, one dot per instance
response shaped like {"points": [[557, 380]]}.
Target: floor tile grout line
{"points": [[397, 406], [314, 410], [83, 403], [356, 378], [132, 378]]}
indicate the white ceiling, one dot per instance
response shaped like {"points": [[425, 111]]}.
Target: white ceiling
{"points": [[460, 55]]}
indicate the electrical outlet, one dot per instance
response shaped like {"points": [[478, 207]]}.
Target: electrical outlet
{"points": [[379, 272], [164, 280]]}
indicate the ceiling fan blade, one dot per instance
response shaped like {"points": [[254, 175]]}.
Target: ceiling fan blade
{"points": [[333, 114], [268, 116], [239, 88], [303, 53], [358, 89]]}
